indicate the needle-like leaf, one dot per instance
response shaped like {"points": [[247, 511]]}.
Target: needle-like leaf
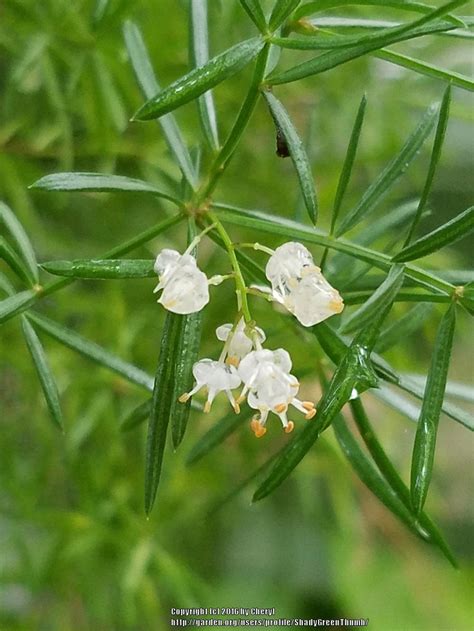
{"points": [[435, 155], [99, 269], [163, 392], [200, 56], [383, 295], [332, 59], [91, 350], [392, 172], [17, 264], [297, 152], [390, 488], [403, 327], [187, 351], [200, 79], [255, 13], [98, 183], [281, 10], [9, 219], [149, 85], [137, 416], [422, 67], [425, 439], [47, 381], [17, 303], [452, 231]]}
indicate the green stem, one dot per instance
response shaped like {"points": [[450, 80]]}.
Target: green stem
{"points": [[240, 286], [223, 157]]}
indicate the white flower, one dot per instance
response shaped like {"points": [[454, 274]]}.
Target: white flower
{"points": [[298, 284], [185, 287], [238, 340], [266, 376], [216, 376]]}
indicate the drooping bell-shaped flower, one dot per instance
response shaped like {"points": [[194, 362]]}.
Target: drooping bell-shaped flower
{"points": [[271, 387], [185, 286], [238, 341], [299, 285], [215, 376]]}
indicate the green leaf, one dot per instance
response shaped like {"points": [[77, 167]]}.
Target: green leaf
{"points": [[453, 411], [354, 372], [137, 416], [335, 348], [451, 232], [403, 327], [187, 351], [435, 155], [200, 56], [405, 5], [297, 152], [92, 351], [392, 172], [384, 295], [348, 162], [424, 68], [21, 239], [390, 474], [17, 303], [216, 435], [146, 78], [47, 381], [372, 479], [281, 11], [354, 45], [200, 79], [425, 439], [98, 183], [390, 489], [163, 392], [102, 268], [17, 264], [255, 13], [332, 59]]}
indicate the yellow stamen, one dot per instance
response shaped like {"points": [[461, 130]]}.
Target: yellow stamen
{"points": [[310, 414], [336, 305], [308, 405], [290, 427], [258, 429], [236, 407], [207, 407], [281, 407], [184, 397], [232, 360]]}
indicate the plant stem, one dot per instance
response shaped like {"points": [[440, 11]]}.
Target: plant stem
{"points": [[240, 286]]}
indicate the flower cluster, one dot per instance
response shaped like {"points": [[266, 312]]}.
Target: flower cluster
{"points": [[264, 375], [298, 284]]}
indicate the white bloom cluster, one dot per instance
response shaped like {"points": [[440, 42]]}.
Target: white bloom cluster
{"points": [[265, 375], [298, 284], [267, 382]]}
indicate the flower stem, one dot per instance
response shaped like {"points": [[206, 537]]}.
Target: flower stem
{"points": [[240, 286]]}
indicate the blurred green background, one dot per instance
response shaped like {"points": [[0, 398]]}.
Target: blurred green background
{"points": [[76, 551]]}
